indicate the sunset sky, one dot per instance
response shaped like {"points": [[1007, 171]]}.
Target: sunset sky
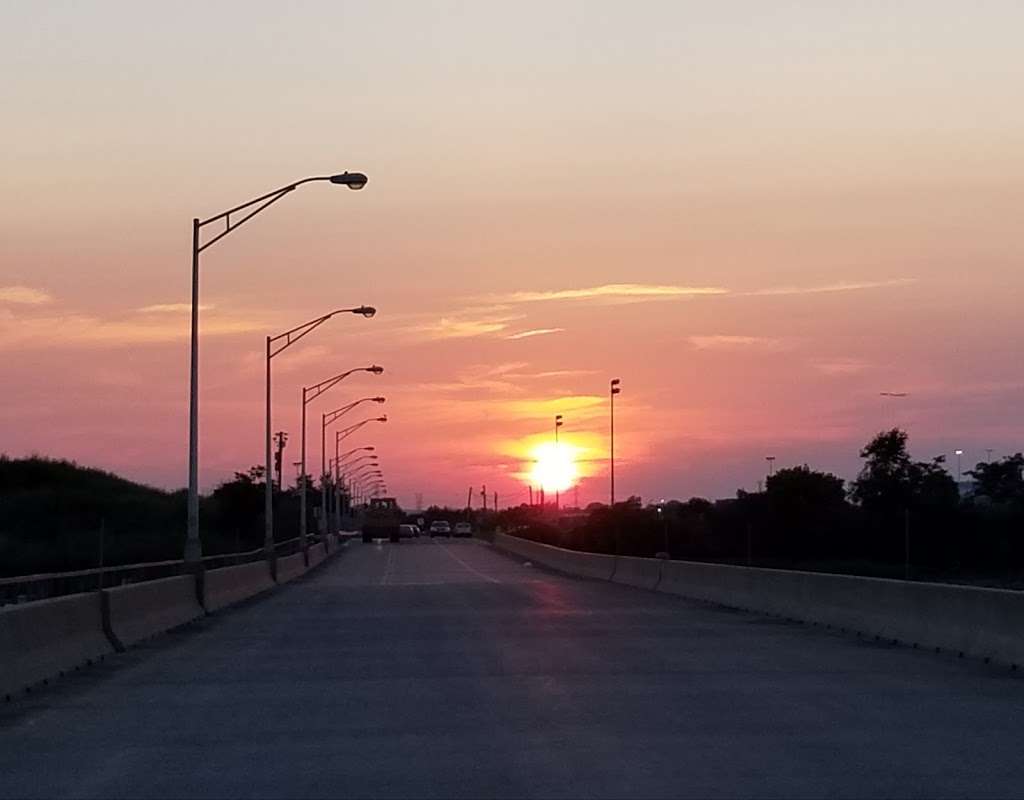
{"points": [[757, 215]]}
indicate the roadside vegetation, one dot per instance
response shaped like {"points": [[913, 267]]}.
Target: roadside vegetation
{"points": [[900, 517], [55, 516]]}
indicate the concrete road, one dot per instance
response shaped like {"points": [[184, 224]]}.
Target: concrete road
{"points": [[442, 669]]}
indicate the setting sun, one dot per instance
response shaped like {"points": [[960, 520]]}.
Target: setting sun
{"points": [[554, 468]]}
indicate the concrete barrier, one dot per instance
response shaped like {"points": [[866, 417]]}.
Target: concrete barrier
{"points": [[643, 573], [230, 585], [986, 623], [42, 639], [290, 567], [141, 610], [572, 562], [317, 553]]}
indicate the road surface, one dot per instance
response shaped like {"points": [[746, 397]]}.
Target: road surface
{"points": [[443, 669]]}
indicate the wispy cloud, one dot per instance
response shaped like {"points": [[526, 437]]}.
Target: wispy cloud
{"points": [[840, 286], [465, 327], [555, 373], [840, 366], [170, 308], [82, 330], [24, 295], [610, 291], [730, 342], [535, 332]]}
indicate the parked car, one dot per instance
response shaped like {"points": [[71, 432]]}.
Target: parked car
{"points": [[440, 527], [408, 531], [463, 529]]}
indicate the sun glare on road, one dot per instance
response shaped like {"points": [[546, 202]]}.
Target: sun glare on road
{"points": [[554, 469]]}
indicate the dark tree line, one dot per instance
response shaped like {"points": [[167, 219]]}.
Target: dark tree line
{"points": [[55, 514], [897, 510]]}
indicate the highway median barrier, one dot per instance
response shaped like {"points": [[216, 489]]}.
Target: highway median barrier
{"points": [[42, 639], [229, 585], [290, 567], [572, 562], [140, 610], [317, 553], [642, 573], [975, 621]]}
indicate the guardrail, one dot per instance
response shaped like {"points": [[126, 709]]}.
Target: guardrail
{"points": [[96, 612], [42, 586]]}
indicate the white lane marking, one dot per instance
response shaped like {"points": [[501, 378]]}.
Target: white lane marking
{"points": [[467, 566], [388, 569]]}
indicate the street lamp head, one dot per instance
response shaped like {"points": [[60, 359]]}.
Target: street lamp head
{"points": [[353, 180], [378, 399], [382, 418], [366, 311], [375, 369], [614, 385], [958, 452]]}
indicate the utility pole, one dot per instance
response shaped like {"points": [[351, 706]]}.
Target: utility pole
{"points": [[280, 440], [531, 497], [469, 499], [613, 389], [495, 501], [576, 489], [483, 494], [558, 424]]}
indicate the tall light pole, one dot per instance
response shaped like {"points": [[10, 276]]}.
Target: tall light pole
{"points": [[613, 389], [894, 396], [558, 424], [276, 345], [345, 432], [335, 465], [339, 460], [309, 394], [354, 180], [959, 474], [327, 419], [771, 465]]}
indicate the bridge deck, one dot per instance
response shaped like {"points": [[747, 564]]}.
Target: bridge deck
{"points": [[442, 669]]}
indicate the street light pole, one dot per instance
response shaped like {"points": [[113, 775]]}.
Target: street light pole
{"points": [[276, 345], [354, 180], [613, 389], [558, 424], [327, 419], [309, 394]]}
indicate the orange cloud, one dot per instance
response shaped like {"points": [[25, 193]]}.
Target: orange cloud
{"points": [[534, 332], [841, 286], [24, 295], [610, 290], [720, 341]]}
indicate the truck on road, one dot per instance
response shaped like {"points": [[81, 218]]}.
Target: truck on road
{"points": [[382, 519]]}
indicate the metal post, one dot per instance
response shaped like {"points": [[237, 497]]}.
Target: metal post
{"points": [[612, 504], [323, 475], [906, 544], [556, 458], [193, 546], [268, 494], [302, 480]]}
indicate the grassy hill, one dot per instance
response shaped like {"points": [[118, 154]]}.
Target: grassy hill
{"points": [[51, 513]]}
